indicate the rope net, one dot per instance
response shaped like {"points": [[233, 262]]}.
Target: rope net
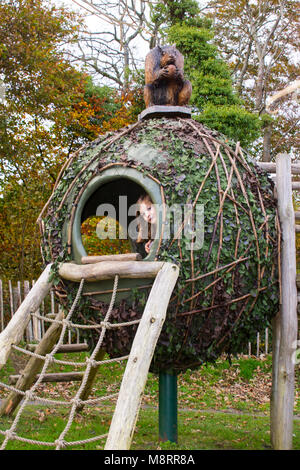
{"points": [[76, 403]]}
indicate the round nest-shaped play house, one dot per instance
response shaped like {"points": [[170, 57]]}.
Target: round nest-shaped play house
{"points": [[227, 250]]}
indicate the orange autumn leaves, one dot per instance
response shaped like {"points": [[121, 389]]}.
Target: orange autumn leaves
{"points": [[94, 245]]}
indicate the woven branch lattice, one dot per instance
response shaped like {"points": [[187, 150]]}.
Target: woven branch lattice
{"points": [[228, 289]]}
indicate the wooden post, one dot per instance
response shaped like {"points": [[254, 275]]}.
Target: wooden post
{"points": [[35, 323], [136, 372], [20, 299], [266, 341], [1, 306], [29, 332], [285, 326], [91, 378], [11, 301], [13, 333]]}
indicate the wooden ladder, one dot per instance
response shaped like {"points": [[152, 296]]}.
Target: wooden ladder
{"points": [[138, 364]]}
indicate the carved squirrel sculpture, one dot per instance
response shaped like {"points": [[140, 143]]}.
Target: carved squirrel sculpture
{"points": [[164, 80]]}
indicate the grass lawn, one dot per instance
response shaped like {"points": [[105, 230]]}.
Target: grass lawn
{"points": [[221, 406]]}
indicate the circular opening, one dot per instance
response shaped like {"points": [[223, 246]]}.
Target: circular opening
{"points": [[108, 214], [110, 204], [110, 193]]}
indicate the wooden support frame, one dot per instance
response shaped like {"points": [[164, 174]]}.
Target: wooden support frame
{"points": [[109, 269], [135, 375], [285, 324]]}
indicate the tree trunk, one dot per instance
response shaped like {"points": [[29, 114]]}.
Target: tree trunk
{"points": [[267, 143]]}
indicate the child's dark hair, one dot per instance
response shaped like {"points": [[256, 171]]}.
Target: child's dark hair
{"points": [[143, 197]]}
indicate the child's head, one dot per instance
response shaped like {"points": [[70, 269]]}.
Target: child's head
{"points": [[147, 209]]}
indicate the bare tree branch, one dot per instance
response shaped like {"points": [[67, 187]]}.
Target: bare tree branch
{"points": [[107, 50]]}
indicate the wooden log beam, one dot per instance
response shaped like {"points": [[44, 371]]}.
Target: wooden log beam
{"points": [[296, 186], [54, 377], [297, 215], [285, 334], [109, 269], [14, 331], [297, 228], [64, 348], [270, 167], [143, 346], [33, 366], [122, 257], [91, 379]]}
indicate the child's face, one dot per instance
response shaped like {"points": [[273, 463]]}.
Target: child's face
{"points": [[147, 211]]}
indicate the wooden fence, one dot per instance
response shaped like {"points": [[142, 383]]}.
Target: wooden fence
{"points": [[11, 296]]}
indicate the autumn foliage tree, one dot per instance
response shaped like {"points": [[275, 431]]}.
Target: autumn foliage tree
{"points": [[259, 39], [49, 109]]}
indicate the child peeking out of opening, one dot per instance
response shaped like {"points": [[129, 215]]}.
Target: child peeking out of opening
{"points": [[147, 221]]}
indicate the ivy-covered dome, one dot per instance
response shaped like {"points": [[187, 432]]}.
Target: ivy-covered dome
{"points": [[227, 288]]}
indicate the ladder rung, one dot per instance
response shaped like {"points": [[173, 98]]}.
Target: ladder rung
{"points": [[55, 377], [65, 348]]}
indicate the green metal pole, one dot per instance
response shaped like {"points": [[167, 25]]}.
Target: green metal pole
{"points": [[168, 406]]}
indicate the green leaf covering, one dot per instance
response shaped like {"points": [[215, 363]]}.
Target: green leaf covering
{"points": [[228, 289]]}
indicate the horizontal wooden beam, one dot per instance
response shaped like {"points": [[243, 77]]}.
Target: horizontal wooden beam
{"points": [[65, 348], [270, 167], [55, 377], [297, 227], [121, 257], [109, 269], [295, 184]]}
